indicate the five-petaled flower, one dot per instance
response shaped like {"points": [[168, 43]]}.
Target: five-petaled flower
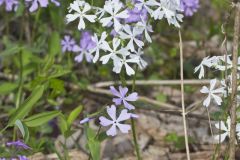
{"points": [[114, 9], [122, 97], [80, 9], [67, 44], [212, 93], [86, 44], [115, 122], [132, 34]]}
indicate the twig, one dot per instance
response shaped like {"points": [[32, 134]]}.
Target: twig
{"points": [[155, 105], [154, 82], [182, 96], [232, 147], [140, 98]]}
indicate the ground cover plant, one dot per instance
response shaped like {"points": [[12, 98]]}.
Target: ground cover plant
{"points": [[132, 79]]}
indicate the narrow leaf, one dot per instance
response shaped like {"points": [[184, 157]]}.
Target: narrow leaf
{"points": [[6, 88], [27, 106], [19, 124], [74, 114], [41, 118]]}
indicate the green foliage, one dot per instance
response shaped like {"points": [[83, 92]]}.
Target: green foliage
{"points": [[74, 114], [41, 118], [93, 144], [7, 87], [54, 44], [27, 105], [178, 141], [23, 129]]}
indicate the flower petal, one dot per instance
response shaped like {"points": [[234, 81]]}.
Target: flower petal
{"points": [[132, 97], [124, 115], [112, 112], [112, 131], [104, 121], [124, 128]]}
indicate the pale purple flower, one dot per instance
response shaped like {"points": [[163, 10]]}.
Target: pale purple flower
{"points": [[122, 97], [67, 44], [136, 15], [22, 157], [18, 144], [189, 6], [86, 44], [35, 4], [10, 5], [115, 122], [85, 120]]}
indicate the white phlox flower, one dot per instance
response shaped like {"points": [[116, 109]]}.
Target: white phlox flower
{"points": [[101, 44], [212, 93], [114, 9], [145, 27], [120, 62], [113, 52], [208, 62], [80, 9], [132, 35], [169, 9], [142, 64]]}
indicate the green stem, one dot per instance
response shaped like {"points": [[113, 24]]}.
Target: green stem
{"points": [[19, 93], [20, 88], [133, 123], [136, 146]]}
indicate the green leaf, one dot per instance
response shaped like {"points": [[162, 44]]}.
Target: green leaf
{"points": [[74, 114], [10, 51], [27, 105], [6, 88], [63, 125], [59, 73], [94, 147], [41, 118], [19, 124], [23, 129], [93, 144], [54, 44]]}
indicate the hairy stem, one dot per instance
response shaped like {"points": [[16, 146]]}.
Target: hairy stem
{"points": [[232, 147], [182, 97]]}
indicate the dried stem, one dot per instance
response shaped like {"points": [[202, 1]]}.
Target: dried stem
{"points": [[182, 95], [154, 82], [232, 147]]}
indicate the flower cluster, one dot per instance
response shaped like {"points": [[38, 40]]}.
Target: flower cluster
{"points": [[18, 145], [122, 99], [33, 5], [221, 89], [125, 29]]}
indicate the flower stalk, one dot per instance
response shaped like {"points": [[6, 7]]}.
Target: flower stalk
{"points": [[233, 107], [182, 96]]}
